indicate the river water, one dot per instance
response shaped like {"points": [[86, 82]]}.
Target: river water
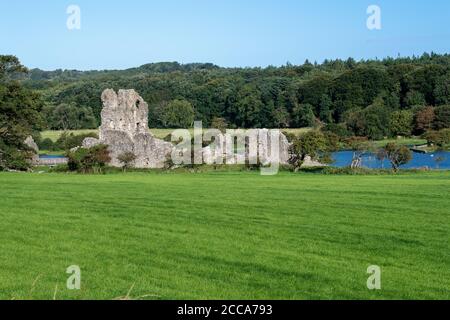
{"points": [[344, 159], [435, 160]]}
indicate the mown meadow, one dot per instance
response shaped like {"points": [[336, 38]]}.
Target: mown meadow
{"points": [[224, 235]]}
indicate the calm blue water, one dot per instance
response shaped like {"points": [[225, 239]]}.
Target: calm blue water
{"points": [[420, 160], [344, 159], [48, 156]]}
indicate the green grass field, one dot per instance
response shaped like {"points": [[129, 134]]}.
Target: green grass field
{"points": [[230, 235]]}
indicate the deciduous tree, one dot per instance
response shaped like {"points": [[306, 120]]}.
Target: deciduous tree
{"points": [[423, 120], [401, 123], [178, 114], [313, 144], [20, 115], [397, 155]]}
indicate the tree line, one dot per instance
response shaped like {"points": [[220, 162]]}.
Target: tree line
{"points": [[373, 98]]}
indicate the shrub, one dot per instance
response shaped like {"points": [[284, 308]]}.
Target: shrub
{"points": [[439, 138], [289, 136], [89, 160], [126, 158], [60, 168], [13, 158], [349, 171]]}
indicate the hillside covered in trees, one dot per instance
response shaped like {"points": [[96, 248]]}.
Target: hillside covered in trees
{"points": [[374, 98]]}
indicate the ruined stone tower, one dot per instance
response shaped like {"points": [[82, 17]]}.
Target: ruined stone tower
{"points": [[124, 128]]}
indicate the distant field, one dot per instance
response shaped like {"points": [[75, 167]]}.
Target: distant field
{"points": [[402, 141], [162, 133], [55, 134], [159, 133], [232, 235]]}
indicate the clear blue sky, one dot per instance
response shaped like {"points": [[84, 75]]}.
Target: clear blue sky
{"points": [[119, 34]]}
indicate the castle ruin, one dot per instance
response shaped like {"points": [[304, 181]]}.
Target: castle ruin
{"points": [[124, 128]]}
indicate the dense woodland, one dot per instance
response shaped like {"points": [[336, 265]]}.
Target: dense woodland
{"points": [[344, 99], [373, 98]]}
